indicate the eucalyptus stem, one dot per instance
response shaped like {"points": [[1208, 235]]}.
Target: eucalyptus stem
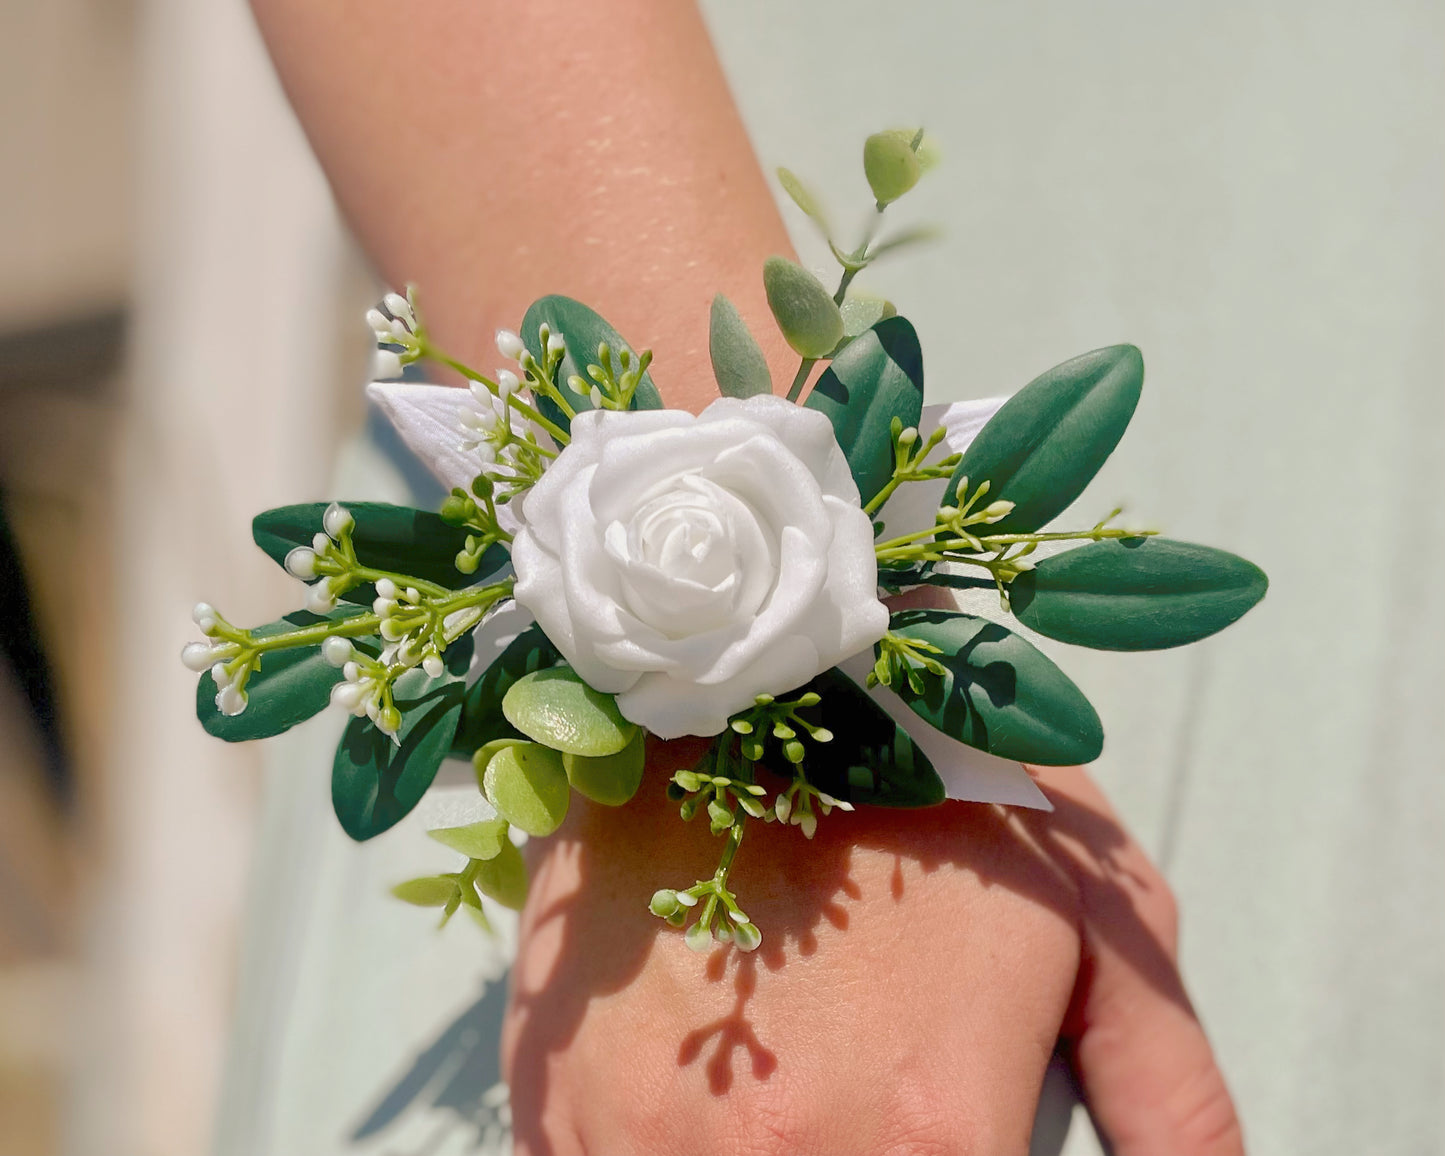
{"points": [[801, 377]]}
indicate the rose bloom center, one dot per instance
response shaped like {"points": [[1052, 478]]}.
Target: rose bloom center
{"points": [[686, 555]]}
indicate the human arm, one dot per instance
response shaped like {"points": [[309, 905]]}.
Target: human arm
{"points": [[493, 155]]}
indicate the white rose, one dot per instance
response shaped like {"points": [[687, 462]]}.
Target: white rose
{"points": [[688, 564]]}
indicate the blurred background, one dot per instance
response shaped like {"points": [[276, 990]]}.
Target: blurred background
{"points": [[1252, 192]]}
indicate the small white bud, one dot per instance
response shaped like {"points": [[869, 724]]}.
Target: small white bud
{"points": [[399, 329], [385, 588], [392, 630], [783, 807], [337, 651], [231, 701], [198, 656], [385, 365], [351, 671], [509, 345], [433, 665], [220, 675], [301, 563], [686, 900], [409, 652], [384, 607], [507, 383], [337, 520], [348, 696], [595, 395], [396, 305], [208, 627], [808, 823], [908, 436], [555, 344], [747, 937], [379, 322], [320, 597], [203, 610], [412, 595], [320, 543]]}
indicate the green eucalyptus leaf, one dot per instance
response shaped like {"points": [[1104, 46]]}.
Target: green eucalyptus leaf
{"points": [[861, 312], [527, 785], [878, 377], [395, 538], [1136, 593], [903, 239], [287, 688], [556, 708], [870, 759], [805, 311], [504, 878], [1048, 441], [375, 781], [737, 362], [583, 330], [1000, 694], [482, 717], [483, 840], [891, 164], [609, 779], [805, 199], [428, 891]]}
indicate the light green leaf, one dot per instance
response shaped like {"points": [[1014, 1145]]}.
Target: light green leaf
{"points": [[504, 878], [583, 330], [556, 708], [805, 199], [1136, 593], [289, 686], [1049, 440], [375, 781], [737, 362], [527, 785], [891, 164], [861, 312], [803, 308], [877, 377], [483, 840], [428, 891], [609, 779], [482, 717], [1000, 693], [386, 537]]}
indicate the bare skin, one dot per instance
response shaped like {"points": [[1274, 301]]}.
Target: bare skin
{"points": [[917, 969]]}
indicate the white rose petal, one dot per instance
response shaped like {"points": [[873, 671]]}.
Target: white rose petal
{"points": [[688, 564]]}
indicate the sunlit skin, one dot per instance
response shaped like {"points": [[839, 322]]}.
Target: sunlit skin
{"points": [[917, 969]]}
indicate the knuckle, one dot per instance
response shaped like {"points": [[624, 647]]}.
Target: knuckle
{"points": [[775, 1125], [920, 1123]]}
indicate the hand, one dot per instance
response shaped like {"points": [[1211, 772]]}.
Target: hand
{"points": [[916, 972]]}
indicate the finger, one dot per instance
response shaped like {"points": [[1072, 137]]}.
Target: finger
{"points": [[1145, 1065]]}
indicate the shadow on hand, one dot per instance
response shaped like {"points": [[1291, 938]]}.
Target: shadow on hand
{"points": [[590, 935]]}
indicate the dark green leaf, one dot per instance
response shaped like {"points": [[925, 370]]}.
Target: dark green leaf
{"points": [[737, 362], [877, 377], [386, 537], [375, 782], [870, 759], [1136, 593], [583, 331], [1049, 440], [1000, 693], [482, 717], [287, 688]]}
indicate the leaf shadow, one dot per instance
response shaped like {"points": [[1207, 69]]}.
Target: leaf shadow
{"points": [[600, 936]]}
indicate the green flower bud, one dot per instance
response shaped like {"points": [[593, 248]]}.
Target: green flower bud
{"points": [[699, 937], [664, 903], [747, 936], [457, 509], [804, 310], [890, 164]]}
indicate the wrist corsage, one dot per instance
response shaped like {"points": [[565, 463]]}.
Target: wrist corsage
{"points": [[606, 569]]}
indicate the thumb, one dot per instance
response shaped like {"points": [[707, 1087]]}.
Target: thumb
{"points": [[1142, 1059]]}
